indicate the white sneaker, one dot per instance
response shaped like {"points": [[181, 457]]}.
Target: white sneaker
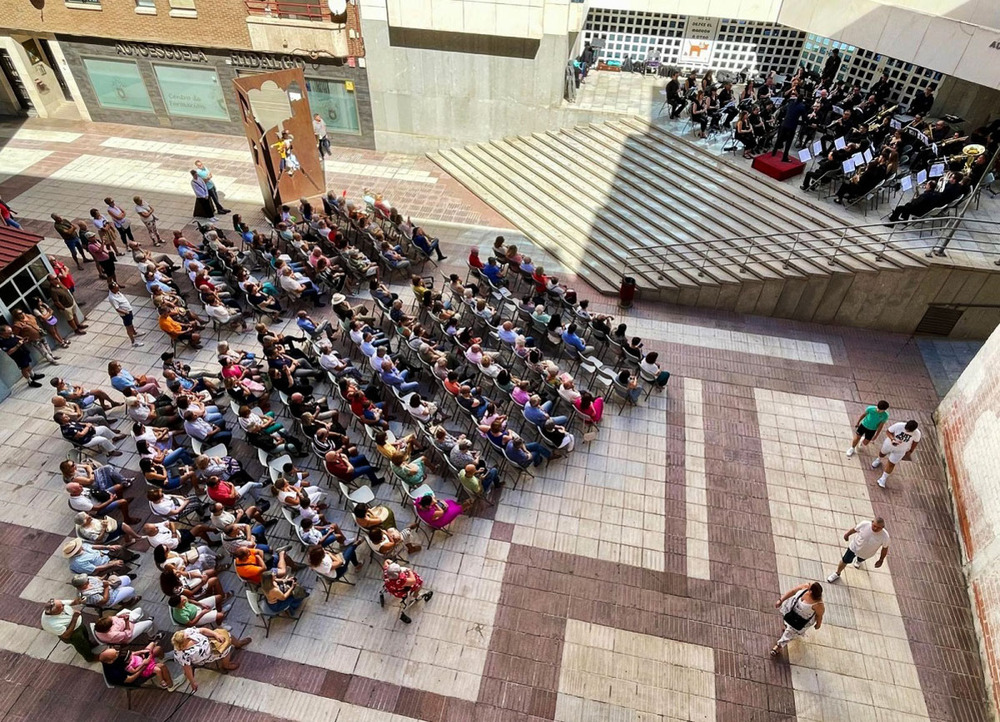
{"points": [[856, 563], [137, 344], [881, 480], [850, 452], [833, 577], [877, 463]]}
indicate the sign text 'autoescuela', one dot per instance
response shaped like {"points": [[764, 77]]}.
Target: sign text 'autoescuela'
{"points": [[193, 55]]}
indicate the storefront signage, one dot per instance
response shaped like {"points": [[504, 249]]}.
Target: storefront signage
{"points": [[266, 62], [167, 52]]}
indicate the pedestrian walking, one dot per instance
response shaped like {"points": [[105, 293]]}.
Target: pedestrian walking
{"points": [[123, 308], [900, 442], [206, 175], [801, 608], [17, 348], [865, 539], [322, 138], [869, 425], [202, 203], [7, 215], [120, 220], [148, 215], [70, 234]]}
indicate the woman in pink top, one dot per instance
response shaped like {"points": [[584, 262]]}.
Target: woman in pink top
{"points": [[122, 628], [590, 407], [435, 513]]}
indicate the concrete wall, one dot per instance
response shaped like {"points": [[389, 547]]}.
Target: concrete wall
{"points": [[763, 10], [968, 424], [911, 30], [432, 87], [892, 300]]}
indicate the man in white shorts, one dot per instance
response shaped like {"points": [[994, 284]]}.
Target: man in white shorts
{"points": [[900, 442], [865, 539]]}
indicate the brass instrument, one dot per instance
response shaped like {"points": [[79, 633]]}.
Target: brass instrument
{"points": [[880, 118], [970, 153], [949, 141]]}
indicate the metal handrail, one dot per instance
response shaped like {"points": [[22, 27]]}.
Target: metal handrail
{"points": [[787, 247]]}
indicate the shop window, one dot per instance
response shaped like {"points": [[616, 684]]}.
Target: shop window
{"points": [[183, 9], [335, 102], [118, 85], [191, 92]]}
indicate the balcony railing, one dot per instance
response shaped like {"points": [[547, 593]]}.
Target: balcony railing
{"points": [[317, 10]]}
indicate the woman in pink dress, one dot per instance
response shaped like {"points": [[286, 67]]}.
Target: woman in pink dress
{"points": [[590, 407], [435, 513]]}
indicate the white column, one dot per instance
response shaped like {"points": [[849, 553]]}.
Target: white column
{"points": [[59, 59]]}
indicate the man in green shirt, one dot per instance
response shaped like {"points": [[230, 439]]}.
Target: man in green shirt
{"points": [[869, 425]]}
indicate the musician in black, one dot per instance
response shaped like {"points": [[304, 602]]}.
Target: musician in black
{"points": [[815, 120], [726, 99], [714, 108], [923, 102], [883, 88], [699, 113], [866, 109], [745, 133], [937, 137], [863, 181], [832, 65], [929, 199], [853, 98], [794, 111], [767, 89], [833, 162], [840, 127], [675, 99]]}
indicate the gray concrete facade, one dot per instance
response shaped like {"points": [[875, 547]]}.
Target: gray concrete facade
{"points": [[425, 97]]}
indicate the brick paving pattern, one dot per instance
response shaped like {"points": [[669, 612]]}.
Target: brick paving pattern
{"points": [[635, 579]]}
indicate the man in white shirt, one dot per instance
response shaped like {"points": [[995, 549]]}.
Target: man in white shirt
{"points": [[322, 139], [123, 308], [865, 539], [900, 442]]}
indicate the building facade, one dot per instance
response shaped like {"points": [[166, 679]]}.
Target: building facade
{"points": [[171, 63]]}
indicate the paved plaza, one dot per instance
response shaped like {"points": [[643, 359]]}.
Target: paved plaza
{"points": [[635, 579]]}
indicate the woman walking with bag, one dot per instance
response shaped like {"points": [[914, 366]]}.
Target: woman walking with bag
{"points": [[801, 607]]}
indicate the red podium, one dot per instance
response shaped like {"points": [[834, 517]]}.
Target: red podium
{"points": [[772, 166]]}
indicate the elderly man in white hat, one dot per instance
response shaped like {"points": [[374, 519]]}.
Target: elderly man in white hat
{"points": [[346, 312], [95, 559]]}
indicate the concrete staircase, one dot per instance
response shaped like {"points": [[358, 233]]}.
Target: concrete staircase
{"points": [[596, 196]]}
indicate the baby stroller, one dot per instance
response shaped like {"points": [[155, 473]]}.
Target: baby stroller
{"points": [[404, 584]]}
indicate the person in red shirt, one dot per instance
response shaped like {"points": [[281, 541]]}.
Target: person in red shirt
{"points": [[474, 260], [227, 493]]}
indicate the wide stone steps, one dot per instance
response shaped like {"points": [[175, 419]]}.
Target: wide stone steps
{"points": [[597, 196]]}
